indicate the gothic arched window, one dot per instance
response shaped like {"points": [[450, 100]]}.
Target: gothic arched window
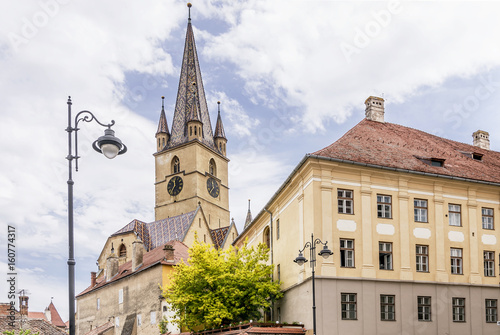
{"points": [[267, 237], [176, 165], [212, 169], [123, 250]]}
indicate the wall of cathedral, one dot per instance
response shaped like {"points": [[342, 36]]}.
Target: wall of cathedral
{"points": [[129, 302]]}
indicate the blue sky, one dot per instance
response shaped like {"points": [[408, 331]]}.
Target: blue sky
{"points": [[292, 77]]}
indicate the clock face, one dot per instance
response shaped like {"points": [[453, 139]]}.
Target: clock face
{"points": [[174, 186], [213, 187]]}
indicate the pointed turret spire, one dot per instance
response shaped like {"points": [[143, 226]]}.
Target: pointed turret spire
{"points": [[219, 135], [190, 73], [249, 216], [162, 134]]}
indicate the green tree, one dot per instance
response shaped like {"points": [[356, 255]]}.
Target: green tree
{"points": [[20, 332], [221, 287]]}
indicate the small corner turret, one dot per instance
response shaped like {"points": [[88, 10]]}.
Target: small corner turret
{"points": [[162, 134], [220, 139]]}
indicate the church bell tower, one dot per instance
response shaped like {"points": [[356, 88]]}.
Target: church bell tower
{"points": [[190, 160]]}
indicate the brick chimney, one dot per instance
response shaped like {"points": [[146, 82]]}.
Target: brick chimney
{"points": [[481, 139], [23, 304], [169, 252], [374, 110], [111, 266], [92, 279], [137, 254]]}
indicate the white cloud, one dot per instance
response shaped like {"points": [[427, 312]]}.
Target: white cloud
{"points": [[291, 53]]}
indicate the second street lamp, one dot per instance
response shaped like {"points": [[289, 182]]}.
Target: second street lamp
{"points": [[110, 146], [301, 260]]}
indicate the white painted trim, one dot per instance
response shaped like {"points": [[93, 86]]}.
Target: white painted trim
{"points": [[489, 201], [451, 196], [309, 182], [348, 183], [421, 192], [379, 187]]}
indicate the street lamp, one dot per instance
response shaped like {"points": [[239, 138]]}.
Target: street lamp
{"points": [[110, 146], [301, 260]]}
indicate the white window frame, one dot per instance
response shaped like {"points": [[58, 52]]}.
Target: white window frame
{"points": [[345, 201], [487, 218], [458, 307], [348, 303], [120, 296], [491, 310], [455, 215], [384, 206], [489, 263], [422, 258], [424, 308], [387, 307], [456, 256], [420, 210], [153, 318], [346, 253], [385, 253]]}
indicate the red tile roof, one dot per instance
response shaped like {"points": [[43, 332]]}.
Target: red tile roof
{"points": [[35, 325], [101, 329], [5, 309], [256, 328], [55, 318], [36, 315], [397, 147], [151, 258]]}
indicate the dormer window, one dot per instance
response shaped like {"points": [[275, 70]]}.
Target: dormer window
{"points": [[476, 156], [439, 162]]}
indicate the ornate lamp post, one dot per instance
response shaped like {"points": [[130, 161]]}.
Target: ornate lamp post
{"points": [[110, 146], [300, 260]]}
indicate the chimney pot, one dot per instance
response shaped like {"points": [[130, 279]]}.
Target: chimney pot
{"points": [[111, 266], [93, 279], [374, 110], [481, 139], [137, 254], [169, 252]]}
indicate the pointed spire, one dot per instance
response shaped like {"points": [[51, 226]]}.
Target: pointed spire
{"points": [[162, 124], [219, 128], [249, 216], [190, 73]]}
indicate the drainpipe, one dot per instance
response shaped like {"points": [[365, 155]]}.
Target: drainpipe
{"points": [[271, 249]]}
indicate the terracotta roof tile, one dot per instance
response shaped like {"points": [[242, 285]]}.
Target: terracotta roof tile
{"points": [[5, 309], [55, 318], [35, 325], [394, 146], [101, 329], [151, 258], [36, 315]]}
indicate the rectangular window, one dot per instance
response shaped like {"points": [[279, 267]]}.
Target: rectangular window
{"points": [[489, 264], [387, 308], [348, 301], [491, 310], [117, 322], [456, 261], [98, 303], [384, 206], [385, 255], [420, 210], [346, 253], [458, 306], [139, 319], [153, 318], [487, 218], [278, 229], [120, 296], [278, 269], [424, 308], [422, 254], [454, 215], [345, 201]]}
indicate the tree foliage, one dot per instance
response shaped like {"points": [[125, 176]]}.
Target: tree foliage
{"points": [[20, 332], [221, 287]]}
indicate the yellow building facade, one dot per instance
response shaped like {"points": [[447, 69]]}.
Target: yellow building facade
{"points": [[410, 218]]}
